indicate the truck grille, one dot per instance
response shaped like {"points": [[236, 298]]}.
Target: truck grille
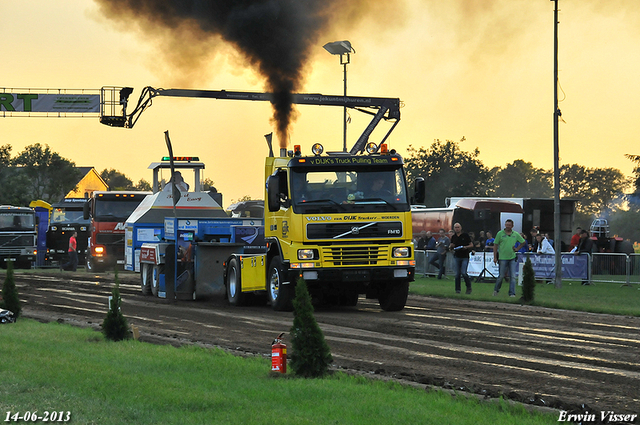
{"points": [[15, 240], [10, 251], [110, 238], [354, 256], [365, 230]]}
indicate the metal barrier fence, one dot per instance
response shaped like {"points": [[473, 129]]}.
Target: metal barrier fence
{"points": [[614, 268], [425, 269], [634, 268], [603, 267]]}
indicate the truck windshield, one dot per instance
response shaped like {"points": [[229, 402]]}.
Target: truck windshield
{"points": [[354, 190], [60, 215], [114, 210], [16, 221]]}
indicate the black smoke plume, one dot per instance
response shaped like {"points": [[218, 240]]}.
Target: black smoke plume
{"points": [[274, 35]]}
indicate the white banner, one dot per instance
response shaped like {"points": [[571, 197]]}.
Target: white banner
{"points": [[476, 267], [62, 103]]}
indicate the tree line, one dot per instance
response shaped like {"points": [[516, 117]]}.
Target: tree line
{"points": [[605, 192], [39, 173]]}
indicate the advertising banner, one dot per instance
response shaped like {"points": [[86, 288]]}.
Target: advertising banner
{"points": [[51, 103], [573, 266]]}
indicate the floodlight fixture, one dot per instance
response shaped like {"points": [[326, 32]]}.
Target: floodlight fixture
{"points": [[339, 47]]}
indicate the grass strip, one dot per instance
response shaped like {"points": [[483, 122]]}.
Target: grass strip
{"points": [[610, 298], [55, 367]]}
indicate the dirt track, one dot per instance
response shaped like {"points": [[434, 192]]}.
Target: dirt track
{"points": [[556, 358]]}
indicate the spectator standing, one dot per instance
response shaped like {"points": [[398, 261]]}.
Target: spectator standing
{"points": [[461, 245], [431, 241], [544, 246], [585, 246], [524, 248], [72, 264], [488, 244], [421, 242], [533, 245], [575, 239], [441, 254], [505, 246]]}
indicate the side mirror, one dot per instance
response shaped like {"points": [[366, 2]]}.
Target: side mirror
{"points": [[420, 190], [273, 193]]}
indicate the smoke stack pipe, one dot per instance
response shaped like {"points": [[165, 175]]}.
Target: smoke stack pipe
{"points": [[283, 152]]}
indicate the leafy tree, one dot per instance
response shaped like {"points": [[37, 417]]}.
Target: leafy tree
{"points": [[448, 171], [14, 183], [595, 188], [242, 199], [10, 299], [46, 174], [116, 180], [521, 179], [310, 356], [5, 156], [206, 184], [143, 185], [634, 198]]}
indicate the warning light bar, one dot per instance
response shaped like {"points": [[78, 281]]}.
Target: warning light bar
{"points": [[181, 158]]}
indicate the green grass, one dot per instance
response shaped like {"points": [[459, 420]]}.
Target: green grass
{"points": [[611, 298], [54, 367]]}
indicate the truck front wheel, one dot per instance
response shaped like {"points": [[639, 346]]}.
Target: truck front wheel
{"points": [[234, 284], [91, 266], [393, 296], [280, 295]]}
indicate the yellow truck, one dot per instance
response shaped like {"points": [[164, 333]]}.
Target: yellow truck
{"points": [[341, 222]]}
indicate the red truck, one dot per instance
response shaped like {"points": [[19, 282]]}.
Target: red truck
{"points": [[108, 211]]}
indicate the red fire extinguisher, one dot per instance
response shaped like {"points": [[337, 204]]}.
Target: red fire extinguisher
{"points": [[279, 355]]}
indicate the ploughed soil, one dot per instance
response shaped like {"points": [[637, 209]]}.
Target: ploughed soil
{"points": [[546, 357]]}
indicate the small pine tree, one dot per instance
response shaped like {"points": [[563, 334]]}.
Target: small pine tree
{"points": [[528, 281], [114, 325], [10, 300], [310, 355]]}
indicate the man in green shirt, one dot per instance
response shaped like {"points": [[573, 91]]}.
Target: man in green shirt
{"points": [[505, 246]]}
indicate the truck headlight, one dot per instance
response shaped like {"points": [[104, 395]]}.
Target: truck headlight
{"points": [[401, 252], [308, 254]]}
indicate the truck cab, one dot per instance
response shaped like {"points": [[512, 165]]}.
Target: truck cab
{"points": [[341, 222], [17, 236], [67, 217], [108, 211]]}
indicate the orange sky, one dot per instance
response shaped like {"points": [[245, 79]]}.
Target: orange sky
{"points": [[477, 69]]}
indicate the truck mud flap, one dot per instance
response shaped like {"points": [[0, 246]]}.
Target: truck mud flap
{"points": [[209, 267]]}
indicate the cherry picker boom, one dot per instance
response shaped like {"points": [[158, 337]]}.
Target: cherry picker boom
{"points": [[114, 101]]}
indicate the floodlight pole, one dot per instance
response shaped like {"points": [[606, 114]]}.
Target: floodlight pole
{"points": [[556, 154], [344, 49], [345, 58]]}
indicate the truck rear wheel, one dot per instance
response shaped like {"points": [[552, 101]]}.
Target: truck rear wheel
{"points": [[234, 284], [393, 296], [280, 295], [145, 278], [155, 278]]}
